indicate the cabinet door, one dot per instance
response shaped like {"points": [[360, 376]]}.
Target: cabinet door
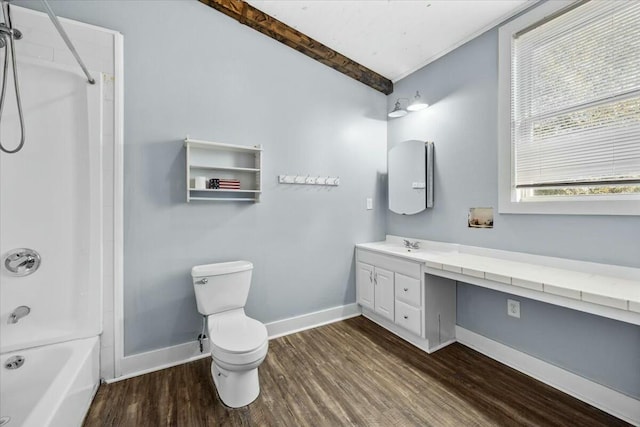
{"points": [[384, 292], [364, 285]]}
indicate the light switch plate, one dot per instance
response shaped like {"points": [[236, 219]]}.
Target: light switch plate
{"points": [[369, 203]]}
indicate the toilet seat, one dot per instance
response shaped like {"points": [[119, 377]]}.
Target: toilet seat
{"points": [[237, 340], [239, 361]]}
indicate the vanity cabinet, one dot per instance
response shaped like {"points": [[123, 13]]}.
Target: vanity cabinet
{"points": [[391, 287], [375, 289], [396, 293]]}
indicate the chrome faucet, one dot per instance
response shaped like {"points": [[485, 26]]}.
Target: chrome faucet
{"points": [[411, 245], [19, 313], [20, 260]]}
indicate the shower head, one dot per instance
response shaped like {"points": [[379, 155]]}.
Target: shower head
{"points": [[6, 28], [5, 13]]}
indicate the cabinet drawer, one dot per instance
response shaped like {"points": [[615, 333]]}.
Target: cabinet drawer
{"points": [[388, 262], [408, 317], [408, 290]]}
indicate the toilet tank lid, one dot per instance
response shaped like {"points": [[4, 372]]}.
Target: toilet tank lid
{"points": [[220, 268]]}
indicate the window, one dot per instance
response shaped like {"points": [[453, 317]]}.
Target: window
{"points": [[570, 109]]}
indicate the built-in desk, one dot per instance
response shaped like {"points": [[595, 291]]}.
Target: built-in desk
{"points": [[605, 290]]}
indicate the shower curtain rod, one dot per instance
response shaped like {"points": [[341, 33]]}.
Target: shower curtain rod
{"points": [[67, 40]]}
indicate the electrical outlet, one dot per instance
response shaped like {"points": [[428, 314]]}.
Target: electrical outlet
{"points": [[369, 203], [513, 308]]}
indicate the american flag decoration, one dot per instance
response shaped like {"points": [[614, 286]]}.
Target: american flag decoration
{"points": [[224, 184]]}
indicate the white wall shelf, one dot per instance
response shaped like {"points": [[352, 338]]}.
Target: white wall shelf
{"points": [[225, 168], [221, 146], [217, 190], [224, 199], [216, 160]]}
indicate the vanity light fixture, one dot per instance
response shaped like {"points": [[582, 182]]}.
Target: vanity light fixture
{"points": [[398, 111], [416, 104]]}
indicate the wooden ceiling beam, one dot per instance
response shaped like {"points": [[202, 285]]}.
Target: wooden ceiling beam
{"points": [[248, 15]]}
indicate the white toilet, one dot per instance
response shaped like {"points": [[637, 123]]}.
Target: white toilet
{"points": [[239, 343]]}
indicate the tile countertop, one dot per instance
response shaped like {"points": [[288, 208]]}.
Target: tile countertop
{"points": [[608, 285]]}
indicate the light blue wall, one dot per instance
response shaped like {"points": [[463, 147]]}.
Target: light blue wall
{"points": [[462, 121], [603, 350], [191, 70]]}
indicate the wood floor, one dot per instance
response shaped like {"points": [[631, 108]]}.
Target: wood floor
{"points": [[348, 373]]}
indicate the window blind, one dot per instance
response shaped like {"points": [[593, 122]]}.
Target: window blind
{"points": [[575, 97]]}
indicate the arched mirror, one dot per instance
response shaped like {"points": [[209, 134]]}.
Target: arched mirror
{"points": [[410, 169]]}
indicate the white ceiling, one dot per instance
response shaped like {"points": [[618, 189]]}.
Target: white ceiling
{"points": [[392, 37]]}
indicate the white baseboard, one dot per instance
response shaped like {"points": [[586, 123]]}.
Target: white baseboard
{"points": [[292, 325], [155, 360], [604, 398], [162, 358]]}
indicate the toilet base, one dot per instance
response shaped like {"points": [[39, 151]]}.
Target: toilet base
{"points": [[236, 388]]}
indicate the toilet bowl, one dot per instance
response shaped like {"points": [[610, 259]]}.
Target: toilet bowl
{"points": [[239, 344]]}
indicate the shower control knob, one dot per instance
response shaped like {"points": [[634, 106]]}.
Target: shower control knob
{"points": [[21, 262]]}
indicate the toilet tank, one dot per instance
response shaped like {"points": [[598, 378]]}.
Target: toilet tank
{"points": [[222, 286]]}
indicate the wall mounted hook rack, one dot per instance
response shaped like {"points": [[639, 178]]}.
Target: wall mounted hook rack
{"points": [[333, 181]]}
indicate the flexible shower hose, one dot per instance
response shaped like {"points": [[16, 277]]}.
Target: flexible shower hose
{"points": [[15, 84]]}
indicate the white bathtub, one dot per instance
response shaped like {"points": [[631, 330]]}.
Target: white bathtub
{"points": [[53, 388]]}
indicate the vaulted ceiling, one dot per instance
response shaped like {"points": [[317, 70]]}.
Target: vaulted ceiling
{"points": [[376, 42], [392, 37]]}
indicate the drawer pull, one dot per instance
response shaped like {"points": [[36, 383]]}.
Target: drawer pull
{"points": [[405, 316], [406, 289]]}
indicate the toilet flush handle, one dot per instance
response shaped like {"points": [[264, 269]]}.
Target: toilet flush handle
{"points": [[202, 281]]}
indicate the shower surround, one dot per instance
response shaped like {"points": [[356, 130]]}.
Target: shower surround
{"points": [[56, 197]]}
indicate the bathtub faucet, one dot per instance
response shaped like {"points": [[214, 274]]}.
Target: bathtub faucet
{"points": [[19, 313]]}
